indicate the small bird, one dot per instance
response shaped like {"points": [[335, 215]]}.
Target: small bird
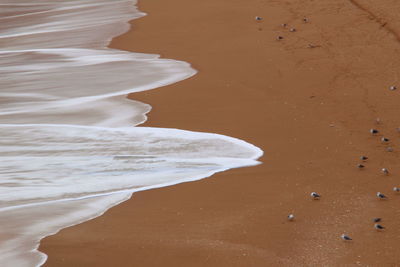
{"points": [[292, 30], [290, 217], [305, 20], [378, 226], [346, 237], [377, 219], [373, 131], [392, 88], [364, 158], [315, 195], [279, 37], [258, 18], [284, 25], [385, 171], [384, 140], [396, 189], [381, 196], [389, 149], [360, 166]]}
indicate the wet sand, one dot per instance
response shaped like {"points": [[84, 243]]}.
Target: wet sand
{"points": [[309, 109]]}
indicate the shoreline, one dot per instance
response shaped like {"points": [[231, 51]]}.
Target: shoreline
{"points": [[309, 109]]}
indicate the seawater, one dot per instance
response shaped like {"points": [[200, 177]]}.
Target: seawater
{"points": [[69, 147]]}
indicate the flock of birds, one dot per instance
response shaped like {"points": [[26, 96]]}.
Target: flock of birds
{"points": [[379, 195], [385, 171], [285, 25]]}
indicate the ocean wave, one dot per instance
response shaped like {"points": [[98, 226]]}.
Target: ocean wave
{"points": [[70, 150]]}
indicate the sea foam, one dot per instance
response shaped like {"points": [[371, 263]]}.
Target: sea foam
{"points": [[69, 148]]}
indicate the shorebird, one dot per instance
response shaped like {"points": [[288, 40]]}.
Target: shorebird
{"points": [[346, 237], [389, 149], [360, 166], [384, 140], [258, 18], [396, 189], [378, 226], [381, 196], [363, 158], [293, 29], [290, 217], [315, 195], [373, 131], [385, 171], [284, 25], [392, 88], [279, 37], [377, 219], [305, 19]]}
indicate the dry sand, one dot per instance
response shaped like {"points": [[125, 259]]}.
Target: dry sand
{"points": [[309, 109]]}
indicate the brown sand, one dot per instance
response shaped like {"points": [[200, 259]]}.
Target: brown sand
{"points": [[309, 109]]}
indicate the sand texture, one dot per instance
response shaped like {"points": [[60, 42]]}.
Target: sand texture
{"points": [[307, 100]]}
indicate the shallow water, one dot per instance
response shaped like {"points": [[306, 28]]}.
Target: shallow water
{"points": [[69, 148]]}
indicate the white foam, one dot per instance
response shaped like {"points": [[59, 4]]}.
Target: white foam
{"points": [[54, 85], [67, 151]]}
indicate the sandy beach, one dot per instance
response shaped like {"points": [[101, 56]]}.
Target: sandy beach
{"points": [[308, 100]]}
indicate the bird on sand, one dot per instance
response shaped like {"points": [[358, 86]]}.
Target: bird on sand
{"points": [[315, 195], [384, 140], [378, 226], [385, 171], [381, 196], [290, 217], [363, 158], [346, 237], [373, 131], [396, 189], [360, 166], [377, 219], [258, 18], [392, 88]]}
